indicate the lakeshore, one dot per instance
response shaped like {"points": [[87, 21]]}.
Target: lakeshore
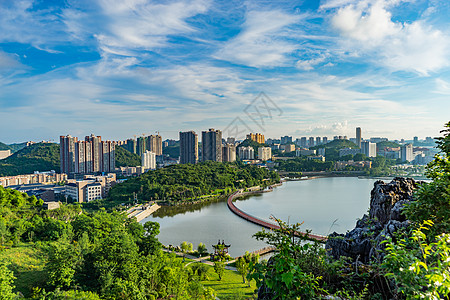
{"points": [[325, 204]]}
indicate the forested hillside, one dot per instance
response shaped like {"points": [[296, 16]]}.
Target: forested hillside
{"points": [[187, 181], [125, 158], [36, 157]]}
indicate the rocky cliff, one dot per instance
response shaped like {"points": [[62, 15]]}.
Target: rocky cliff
{"points": [[385, 217]]}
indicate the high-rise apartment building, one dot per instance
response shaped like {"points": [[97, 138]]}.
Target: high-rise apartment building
{"points": [[318, 140], [188, 147], [406, 153], [303, 142], [212, 145], [358, 136], [148, 160], [229, 153], [369, 149], [256, 137], [324, 140], [246, 153], [311, 142], [89, 156], [264, 153], [286, 139], [154, 144]]}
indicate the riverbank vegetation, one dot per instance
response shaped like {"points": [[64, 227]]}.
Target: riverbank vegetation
{"points": [[191, 183], [414, 264]]}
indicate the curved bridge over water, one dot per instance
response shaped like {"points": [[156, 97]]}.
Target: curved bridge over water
{"points": [[257, 221]]}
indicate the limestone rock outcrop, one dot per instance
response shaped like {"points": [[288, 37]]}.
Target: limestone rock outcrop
{"points": [[385, 217]]}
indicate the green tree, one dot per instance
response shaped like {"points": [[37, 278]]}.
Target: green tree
{"points": [[242, 267], [219, 268], [6, 283], [201, 248], [62, 263], [432, 200]]}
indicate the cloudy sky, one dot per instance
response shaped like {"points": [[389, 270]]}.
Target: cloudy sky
{"points": [[119, 68]]}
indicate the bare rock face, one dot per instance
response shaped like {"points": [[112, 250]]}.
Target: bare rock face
{"points": [[385, 217]]}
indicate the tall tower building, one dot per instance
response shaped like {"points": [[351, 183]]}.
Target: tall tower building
{"points": [[358, 136], [318, 140], [229, 153], [324, 140], [311, 142], [67, 153], [188, 147], [212, 145], [141, 145], [406, 153], [154, 144], [89, 156]]}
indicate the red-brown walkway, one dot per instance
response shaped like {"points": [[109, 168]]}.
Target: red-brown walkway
{"points": [[262, 223]]}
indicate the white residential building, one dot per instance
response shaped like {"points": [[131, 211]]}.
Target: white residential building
{"points": [[264, 153], [148, 160], [246, 153]]}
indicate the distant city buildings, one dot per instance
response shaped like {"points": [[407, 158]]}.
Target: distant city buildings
{"points": [[85, 157], [229, 153], [148, 160], [188, 147], [358, 136], [37, 177], [406, 153], [90, 188], [212, 145], [246, 153], [369, 149], [256, 137], [264, 153], [289, 148], [286, 140]]}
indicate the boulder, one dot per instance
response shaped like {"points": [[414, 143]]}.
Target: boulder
{"points": [[385, 217]]}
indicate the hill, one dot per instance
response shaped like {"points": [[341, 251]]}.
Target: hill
{"points": [[337, 144], [253, 144], [16, 147], [332, 148], [4, 146], [125, 158], [12, 147], [36, 157], [189, 182]]}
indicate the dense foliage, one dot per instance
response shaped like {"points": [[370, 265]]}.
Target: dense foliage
{"points": [[384, 144], [91, 256], [187, 181], [332, 148], [125, 158], [172, 151], [36, 157]]}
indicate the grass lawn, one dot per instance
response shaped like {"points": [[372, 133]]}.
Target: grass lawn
{"points": [[27, 262], [231, 286]]}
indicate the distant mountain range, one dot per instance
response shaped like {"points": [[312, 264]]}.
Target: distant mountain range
{"points": [[45, 157]]}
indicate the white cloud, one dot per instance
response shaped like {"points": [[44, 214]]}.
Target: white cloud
{"points": [[369, 27], [121, 27], [261, 42], [308, 65]]}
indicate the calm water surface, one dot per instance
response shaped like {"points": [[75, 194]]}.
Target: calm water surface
{"points": [[324, 205]]}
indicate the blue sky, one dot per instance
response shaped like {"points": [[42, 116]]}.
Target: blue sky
{"points": [[118, 68]]}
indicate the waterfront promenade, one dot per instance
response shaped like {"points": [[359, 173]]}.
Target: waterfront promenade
{"points": [[257, 221]]}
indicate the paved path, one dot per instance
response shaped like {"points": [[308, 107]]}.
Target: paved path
{"points": [[263, 223]]}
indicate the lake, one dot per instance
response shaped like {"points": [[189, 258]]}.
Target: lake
{"points": [[324, 205]]}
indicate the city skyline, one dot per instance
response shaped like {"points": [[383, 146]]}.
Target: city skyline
{"points": [[130, 67]]}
